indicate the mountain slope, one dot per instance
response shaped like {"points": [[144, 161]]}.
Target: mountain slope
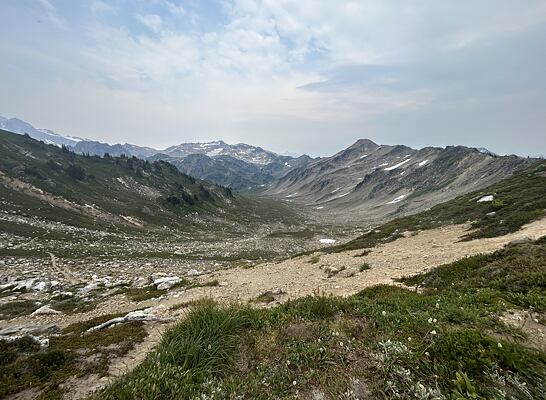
{"points": [[91, 190], [496, 210], [16, 125], [240, 151], [100, 149], [368, 178], [229, 171]]}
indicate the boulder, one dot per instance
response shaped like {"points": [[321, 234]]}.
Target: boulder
{"points": [[139, 315], [141, 282], [524, 239], [32, 330], [167, 282], [45, 310], [90, 287]]}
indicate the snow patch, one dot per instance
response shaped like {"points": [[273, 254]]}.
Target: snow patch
{"points": [[327, 241], [398, 199], [397, 165], [423, 163], [486, 199], [364, 156]]}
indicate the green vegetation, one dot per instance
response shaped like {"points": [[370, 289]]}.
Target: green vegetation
{"points": [[151, 292], [385, 342], [17, 308], [152, 192], [24, 365], [518, 200], [314, 259], [516, 274], [364, 267]]}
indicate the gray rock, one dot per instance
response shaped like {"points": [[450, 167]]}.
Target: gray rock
{"points": [[90, 287], [32, 330], [525, 239], [167, 282], [139, 315], [45, 310], [141, 282]]}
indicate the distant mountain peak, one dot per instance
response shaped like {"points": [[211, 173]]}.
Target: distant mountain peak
{"points": [[21, 127], [363, 143], [240, 151]]}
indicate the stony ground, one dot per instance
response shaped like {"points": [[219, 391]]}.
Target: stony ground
{"points": [[265, 284]]}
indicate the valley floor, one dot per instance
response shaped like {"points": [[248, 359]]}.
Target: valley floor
{"points": [[270, 283]]}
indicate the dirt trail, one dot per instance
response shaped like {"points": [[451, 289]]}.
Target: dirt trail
{"points": [[298, 277], [406, 256]]}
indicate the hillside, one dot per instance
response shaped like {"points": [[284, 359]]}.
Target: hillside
{"points": [[496, 210], [232, 172], [59, 184], [374, 182]]}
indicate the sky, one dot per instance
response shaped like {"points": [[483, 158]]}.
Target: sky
{"points": [[296, 76]]}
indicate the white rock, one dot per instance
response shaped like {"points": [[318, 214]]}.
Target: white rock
{"points": [[166, 282], [40, 286], [90, 287], [193, 272], [45, 310]]}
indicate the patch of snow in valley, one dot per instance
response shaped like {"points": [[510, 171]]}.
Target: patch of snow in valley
{"points": [[291, 195], [486, 199], [397, 165], [364, 156], [327, 241], [398, 199], [423, 163]]}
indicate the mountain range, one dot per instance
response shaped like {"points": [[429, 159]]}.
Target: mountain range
{"points": [[238, 166], [365, 181], [374, 181]]}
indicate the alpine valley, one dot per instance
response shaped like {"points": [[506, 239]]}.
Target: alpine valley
{"points": [[226, 271]]}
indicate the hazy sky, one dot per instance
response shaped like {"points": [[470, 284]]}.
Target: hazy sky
{"points": [[289, 75]]}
